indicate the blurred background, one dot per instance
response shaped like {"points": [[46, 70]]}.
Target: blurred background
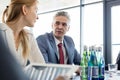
{"points": [[93, 23]]}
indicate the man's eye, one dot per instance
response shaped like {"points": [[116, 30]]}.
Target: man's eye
{"points": [[64, 24], [57, 23]]}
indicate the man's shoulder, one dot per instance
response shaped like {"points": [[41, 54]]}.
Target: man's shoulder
{"points": [[44, 36], [67, 37]]}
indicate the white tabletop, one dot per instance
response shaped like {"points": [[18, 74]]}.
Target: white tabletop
{"points": [[108, 76], [112, 75]]}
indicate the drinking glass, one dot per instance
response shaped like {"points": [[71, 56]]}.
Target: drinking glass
{"points": [[112, 67]]}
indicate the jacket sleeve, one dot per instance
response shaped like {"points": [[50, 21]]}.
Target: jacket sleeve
{"points": [[77, 57], [43, 47]]}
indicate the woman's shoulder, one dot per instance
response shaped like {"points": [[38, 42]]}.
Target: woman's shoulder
{"points": [[29, 32], [3, 26]]}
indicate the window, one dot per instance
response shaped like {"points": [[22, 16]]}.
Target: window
{"points": [[115, 16], [91, 1], [93, 25]]}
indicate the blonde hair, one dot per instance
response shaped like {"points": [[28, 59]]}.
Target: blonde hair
{"points": [[12, 13]]}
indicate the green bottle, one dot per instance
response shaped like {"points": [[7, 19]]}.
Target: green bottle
{"points": [[84, 64]]}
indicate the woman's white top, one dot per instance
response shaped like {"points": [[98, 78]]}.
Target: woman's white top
{"points": [[35, 55]]}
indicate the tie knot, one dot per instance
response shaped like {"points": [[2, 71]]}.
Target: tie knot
{"points": [[60, 45]]}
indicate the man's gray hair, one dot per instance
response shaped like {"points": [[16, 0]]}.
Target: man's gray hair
{"points": [[63, 13]]}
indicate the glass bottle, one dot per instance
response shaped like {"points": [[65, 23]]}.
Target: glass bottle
{"points": [[93, 65], [84, 64], [101, 64]]}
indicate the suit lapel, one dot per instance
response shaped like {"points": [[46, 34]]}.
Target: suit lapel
{"points": [[53, 44], [68, 51]]}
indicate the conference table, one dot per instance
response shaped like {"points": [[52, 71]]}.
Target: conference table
{"points": [[108, 76], [51, 71], [112, 75]]}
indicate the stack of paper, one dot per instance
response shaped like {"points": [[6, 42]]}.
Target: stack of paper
{"points": [[49, 71]]}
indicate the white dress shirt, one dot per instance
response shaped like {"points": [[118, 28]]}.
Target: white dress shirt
{"points": [[64, 51]]}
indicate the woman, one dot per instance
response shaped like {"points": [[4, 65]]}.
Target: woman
{"points": [[17, 15]]}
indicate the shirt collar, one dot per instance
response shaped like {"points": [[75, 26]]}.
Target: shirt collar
{"points": [[57, 41]]}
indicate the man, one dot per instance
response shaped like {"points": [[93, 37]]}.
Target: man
{"points": [[48, 43]]}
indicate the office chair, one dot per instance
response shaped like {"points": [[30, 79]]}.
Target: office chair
{"points": [[10, 69]]}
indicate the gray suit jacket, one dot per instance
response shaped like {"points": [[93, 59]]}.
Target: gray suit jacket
{"points": [[48, 48]]}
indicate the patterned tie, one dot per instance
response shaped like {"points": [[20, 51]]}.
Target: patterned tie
{"points": [[61, 54]]}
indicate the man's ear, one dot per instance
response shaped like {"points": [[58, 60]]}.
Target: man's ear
{"points": [[52, 25], [68, 28], [24, 10]]}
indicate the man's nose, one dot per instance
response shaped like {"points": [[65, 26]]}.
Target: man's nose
{"points": [[37, 17], [60, 25]]}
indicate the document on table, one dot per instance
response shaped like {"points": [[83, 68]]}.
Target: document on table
{"points": [[49, 71]]}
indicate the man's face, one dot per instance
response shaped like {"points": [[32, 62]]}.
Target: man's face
{"points": [[60, 26]]}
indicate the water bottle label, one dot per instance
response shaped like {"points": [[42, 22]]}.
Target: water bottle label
{"points": [[90, 73], [101, 71], [95, 71], [84, 72]]}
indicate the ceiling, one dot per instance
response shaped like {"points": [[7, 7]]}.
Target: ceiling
{"points": [[45, 5]]}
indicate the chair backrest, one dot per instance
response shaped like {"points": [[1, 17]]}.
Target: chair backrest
{"points": [[118, 61], [9, 67]]}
